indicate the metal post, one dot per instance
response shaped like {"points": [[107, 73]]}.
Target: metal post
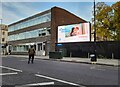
{"points": [[88, 55], [112, 55], [95, 32], [1, 36]]}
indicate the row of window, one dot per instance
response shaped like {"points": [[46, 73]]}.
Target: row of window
{"points": [[37, 20], [25, 47], [30, 34], [20, 48]]}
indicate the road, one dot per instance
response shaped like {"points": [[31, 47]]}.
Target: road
{"points": [[16, 71]]}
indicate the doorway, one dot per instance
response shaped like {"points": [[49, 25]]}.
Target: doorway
{"points": [[40, 48]]}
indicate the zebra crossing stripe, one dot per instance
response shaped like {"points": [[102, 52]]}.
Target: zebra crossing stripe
{"points": [[1, 74], [37, 84]]}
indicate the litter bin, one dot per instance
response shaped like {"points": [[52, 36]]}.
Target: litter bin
{"points": [[93, 57]]}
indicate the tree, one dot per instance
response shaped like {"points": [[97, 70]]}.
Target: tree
{"points": [[103, 21], [116, 20], [107, 21]]}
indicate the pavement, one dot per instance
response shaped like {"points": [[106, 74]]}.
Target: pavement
{"points": [[100, 61]]}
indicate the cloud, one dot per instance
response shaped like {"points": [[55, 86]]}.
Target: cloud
{"points": [[9, 17], [14, 11]]}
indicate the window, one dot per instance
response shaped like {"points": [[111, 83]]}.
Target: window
{"points": [[39, 46], [43, 34], [31, 22], [3, 39], [14, 48], [11, 28], [49, 31], [40, 34], [3, 33], [43, 47]]}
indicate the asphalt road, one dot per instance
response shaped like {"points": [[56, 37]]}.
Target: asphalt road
{"points": [[16, 71]]}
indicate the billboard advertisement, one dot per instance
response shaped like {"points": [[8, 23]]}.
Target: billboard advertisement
{"points": [[74, 33]]}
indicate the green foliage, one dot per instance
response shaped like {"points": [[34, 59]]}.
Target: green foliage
{"points": [[107, 21], [116, 9]]}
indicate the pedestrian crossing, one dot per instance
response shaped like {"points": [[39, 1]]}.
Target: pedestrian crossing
{"points": [[19, 78], [37, 84]]}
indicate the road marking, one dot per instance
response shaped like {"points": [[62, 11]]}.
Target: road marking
{"points": [[24, 60], [27, 59], [37, 84], [101, 69], [94, 68], [8, 73], [11, 68], [70, 83]]}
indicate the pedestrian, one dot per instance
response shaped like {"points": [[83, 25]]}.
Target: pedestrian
{"points": [[31, 53]]}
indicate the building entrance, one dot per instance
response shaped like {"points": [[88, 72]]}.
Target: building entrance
{"points": [[40, 48]]}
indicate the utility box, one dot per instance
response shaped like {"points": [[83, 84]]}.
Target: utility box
{"points": [[55, 55]]}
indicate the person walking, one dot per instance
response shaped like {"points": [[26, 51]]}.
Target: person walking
{"points": [[31, 53]]}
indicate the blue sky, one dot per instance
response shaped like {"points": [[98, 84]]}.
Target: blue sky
{"points": [[15, 11]]}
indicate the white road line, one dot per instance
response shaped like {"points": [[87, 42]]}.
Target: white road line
{"points": [[11, 68], [27, 59], [8, 73], [101, 69], [24, 60], [70, 83], [94, 68], [37, 84]]}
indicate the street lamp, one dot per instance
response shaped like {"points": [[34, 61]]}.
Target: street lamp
{"points": [[0, 36], [95, 33], [93, 56], [0, 30]]}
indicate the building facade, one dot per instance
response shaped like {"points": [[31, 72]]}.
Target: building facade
{"points": [[39, 30], [3, 37]]}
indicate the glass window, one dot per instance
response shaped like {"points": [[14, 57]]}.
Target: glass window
{"points": [[11, 28], [28, 34], [8, 38], [14, 48], [15, 27], [39, 46], [11, 37], [43, 47], [17, 37], [3, 33], [22, 36], [37, 20], [31, 22], [3, 39]]}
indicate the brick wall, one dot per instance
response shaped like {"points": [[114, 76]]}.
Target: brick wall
{"points": [[61, 17]]}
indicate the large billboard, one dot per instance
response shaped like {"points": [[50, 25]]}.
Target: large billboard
{"points": [[74, 33]]}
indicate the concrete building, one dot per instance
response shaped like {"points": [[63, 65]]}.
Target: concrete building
{"points": [[3, 37], [39, 30]]}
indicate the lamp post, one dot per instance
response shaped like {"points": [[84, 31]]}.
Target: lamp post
{"points": [[95, 32], [0, 36], [0, 30]]}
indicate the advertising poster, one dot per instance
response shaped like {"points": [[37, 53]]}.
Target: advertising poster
{"points": [[74, 33]]}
